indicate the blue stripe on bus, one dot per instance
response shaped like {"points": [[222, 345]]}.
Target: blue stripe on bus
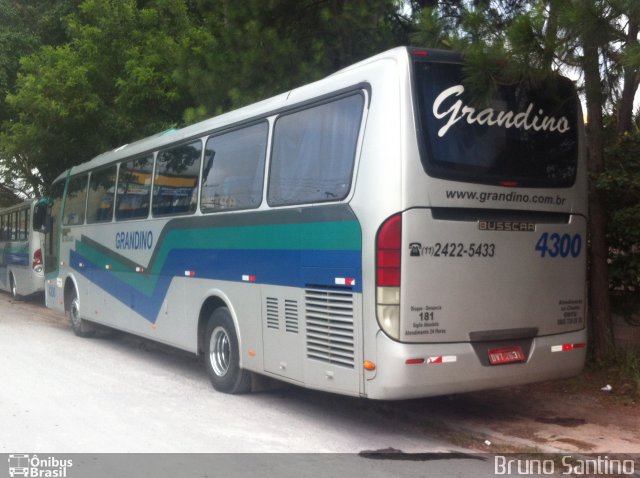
{"points": [[292, 268], [16, 259]]}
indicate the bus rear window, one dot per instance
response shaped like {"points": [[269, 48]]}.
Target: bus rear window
{"points": [[519, 137]]}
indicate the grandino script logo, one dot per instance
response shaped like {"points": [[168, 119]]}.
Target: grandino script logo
{"points": [[525, 120]]}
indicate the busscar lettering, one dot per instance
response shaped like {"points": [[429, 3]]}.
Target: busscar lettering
{"points": [[134, 240], [490, 117], [506, 226]]}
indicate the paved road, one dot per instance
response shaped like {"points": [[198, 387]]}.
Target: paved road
{"points": [[63, 394]]}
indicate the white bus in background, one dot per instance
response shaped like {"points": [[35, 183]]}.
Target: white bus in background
{"points": [[21, 245], [375, 233]]}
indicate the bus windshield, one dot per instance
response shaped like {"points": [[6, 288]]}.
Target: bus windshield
{"points": [[520, 137]]}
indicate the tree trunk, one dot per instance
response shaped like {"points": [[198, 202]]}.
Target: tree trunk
{"points": [[600, 306], [625, 113], [550, 36]]}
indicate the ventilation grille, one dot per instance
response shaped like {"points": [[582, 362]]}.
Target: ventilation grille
{"points": [[273, 313], [274, 307], [291, 316], [329, 319]]}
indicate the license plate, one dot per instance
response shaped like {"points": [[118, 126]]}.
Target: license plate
{"points": [[504, 355]]}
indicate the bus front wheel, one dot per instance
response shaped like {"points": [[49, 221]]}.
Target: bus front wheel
{"points": [[80, 327], [222, 354]]}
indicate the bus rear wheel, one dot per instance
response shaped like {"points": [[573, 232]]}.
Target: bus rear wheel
{"points": [[80, 327], [222, 354], [13, 288]]}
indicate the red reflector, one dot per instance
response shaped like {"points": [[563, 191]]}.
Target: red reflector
{"points": [[388, 253], [414, 361], [579, 346], [37, 258], [504, 355], [509, 184], [421, 53]]}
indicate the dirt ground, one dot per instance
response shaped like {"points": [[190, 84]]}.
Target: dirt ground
{"points": [[562, 416], [565, 416]]}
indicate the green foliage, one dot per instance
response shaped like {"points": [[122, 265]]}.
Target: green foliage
{"points": [[100, 73], [14, 42], [246, 51], [500, 40], [620, 186], [112, 82], [620, 369]]}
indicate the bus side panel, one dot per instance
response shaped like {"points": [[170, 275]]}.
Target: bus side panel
{"points": [[303, 258], [5, 254], [17, 260], [377, 192], [28, 280]]}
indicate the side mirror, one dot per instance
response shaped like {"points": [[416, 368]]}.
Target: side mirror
{"points": [[40, 214]]}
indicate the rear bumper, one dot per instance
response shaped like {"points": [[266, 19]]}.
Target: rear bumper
{"points": [[455, 367]]}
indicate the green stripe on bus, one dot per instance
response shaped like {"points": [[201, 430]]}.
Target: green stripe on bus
{"points": [[341, 235]]}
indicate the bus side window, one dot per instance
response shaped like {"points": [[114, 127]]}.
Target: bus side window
{"points": [[102, 187], [234, 169], [12, 226], [176, 179], [22, 224], [314, 152], [75, 203], [134, 187]]}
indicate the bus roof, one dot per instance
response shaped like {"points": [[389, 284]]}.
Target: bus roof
{"points": [[247, 113], [20, 205]]}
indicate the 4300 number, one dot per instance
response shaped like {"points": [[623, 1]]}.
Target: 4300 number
{"points": [[559, 245]]}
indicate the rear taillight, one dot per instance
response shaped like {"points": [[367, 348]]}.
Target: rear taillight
{"points": [[388, 262], [37, 261], [388, 252]]}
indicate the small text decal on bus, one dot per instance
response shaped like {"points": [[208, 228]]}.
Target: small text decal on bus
{"points": [[134, 240], [491, 117]]}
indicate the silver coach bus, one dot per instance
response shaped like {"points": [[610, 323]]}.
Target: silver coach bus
{"points": [[375, 233]]}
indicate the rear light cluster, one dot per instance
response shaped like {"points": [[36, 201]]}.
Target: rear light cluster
{"points": [[388, 261], [37, 262]]}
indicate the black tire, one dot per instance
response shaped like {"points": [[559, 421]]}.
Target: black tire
{"points": [[81, 327], [222, 355]]}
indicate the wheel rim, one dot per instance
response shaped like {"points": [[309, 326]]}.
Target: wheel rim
{"points": [[14, 291], [75, 312], [220, 351]]}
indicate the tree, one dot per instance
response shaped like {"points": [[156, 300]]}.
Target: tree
{"points": [[25, 26], [591, 24], [108, 72], [111, 83], [248, 51], [619, 185]]}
